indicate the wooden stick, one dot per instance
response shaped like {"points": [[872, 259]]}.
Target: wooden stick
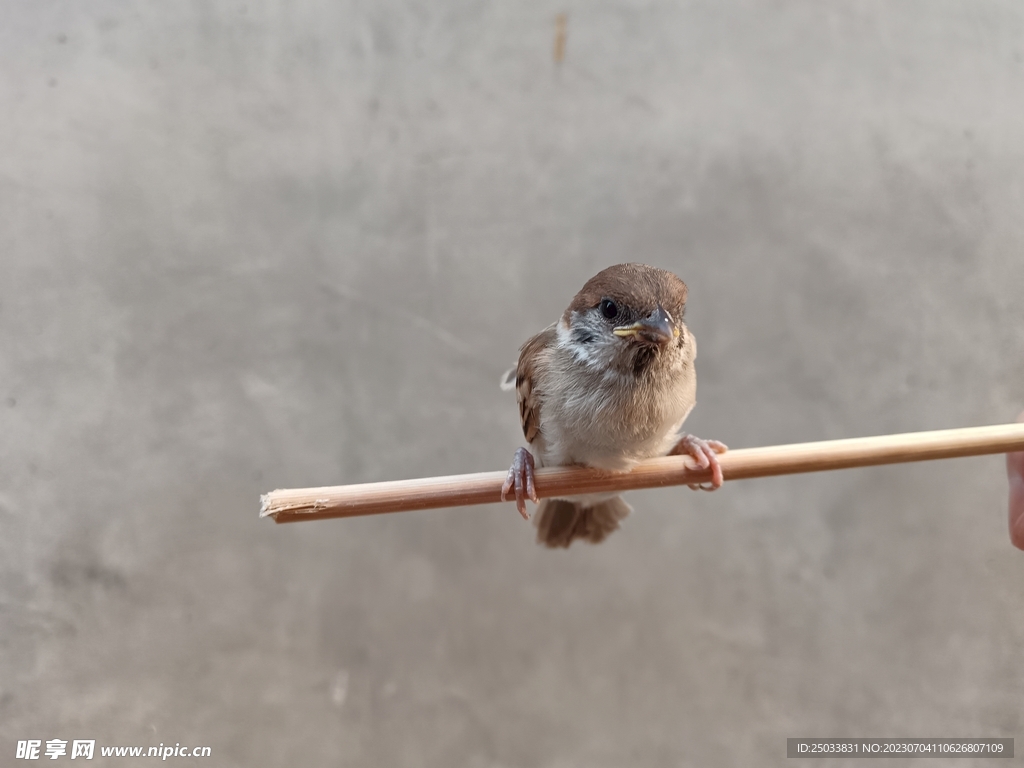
{"points": [[288, 506]]}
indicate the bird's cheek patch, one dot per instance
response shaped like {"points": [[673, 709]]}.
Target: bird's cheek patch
{"points": [[582, 336]]}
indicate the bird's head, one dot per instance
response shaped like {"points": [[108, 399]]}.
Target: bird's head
{"points": [[629, 317]]}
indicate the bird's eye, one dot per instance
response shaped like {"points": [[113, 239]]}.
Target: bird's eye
{"points": [[608, 308]]}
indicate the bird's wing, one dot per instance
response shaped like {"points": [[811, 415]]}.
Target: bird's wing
{"points": [[508, 379], [526, 380]]}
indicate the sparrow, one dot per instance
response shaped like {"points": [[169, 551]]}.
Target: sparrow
{"points": [[608, 385]]}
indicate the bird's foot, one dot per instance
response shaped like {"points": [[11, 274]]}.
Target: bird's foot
{"points": [[520, 478], [705, 453]]}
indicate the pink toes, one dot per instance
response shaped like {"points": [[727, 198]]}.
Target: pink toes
{"points": [[520, 479], [705, 453]]}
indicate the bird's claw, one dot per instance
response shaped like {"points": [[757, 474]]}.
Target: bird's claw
{"points": [[705, 453], [520, 478]]}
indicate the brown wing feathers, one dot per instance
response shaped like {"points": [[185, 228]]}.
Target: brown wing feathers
{"points": [[526, 372]]}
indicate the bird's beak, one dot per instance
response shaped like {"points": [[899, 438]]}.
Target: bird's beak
{"points": [[656, 329]]}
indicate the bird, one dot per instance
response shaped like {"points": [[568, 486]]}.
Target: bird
{"points": [[607, 386]]}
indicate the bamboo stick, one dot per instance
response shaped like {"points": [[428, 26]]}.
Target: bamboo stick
{"points": [[294, 505]]}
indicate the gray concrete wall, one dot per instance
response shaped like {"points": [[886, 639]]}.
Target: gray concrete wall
{"points": [[254, 245]]}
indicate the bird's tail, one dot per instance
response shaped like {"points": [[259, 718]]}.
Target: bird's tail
{"points": [[559, 522]]}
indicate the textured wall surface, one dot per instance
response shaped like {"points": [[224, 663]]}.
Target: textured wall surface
{"points": [[250, 245]]}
